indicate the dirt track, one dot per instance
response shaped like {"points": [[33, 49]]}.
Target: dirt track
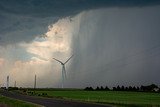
{"points": [[48, 102]]}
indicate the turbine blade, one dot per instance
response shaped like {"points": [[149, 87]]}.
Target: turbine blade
{"points": [[58, 60], [68, 59]]}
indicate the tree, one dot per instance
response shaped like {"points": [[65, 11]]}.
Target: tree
{"points": [[130, 88], [106, 88], [152, 86], [137, 88], [149, 87], [97, 88], [134, 88], [126, 88], [88, 89], [122, 88], [114, 88], [142, 88], [118, 88], [101, 88]]}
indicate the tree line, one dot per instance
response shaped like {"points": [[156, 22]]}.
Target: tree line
{"points": [[148, 88]]}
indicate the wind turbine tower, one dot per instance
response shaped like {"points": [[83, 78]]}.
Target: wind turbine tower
{"points": [[64, 75]]}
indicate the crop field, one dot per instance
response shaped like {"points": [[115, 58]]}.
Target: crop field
{"points": [[8, 102], [120, 98]]}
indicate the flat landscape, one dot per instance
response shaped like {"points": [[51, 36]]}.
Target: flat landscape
{"points": [[80, 53], [10, 101], [120, 98]]}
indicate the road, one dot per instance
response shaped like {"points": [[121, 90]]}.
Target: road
{"points": [[48, 102]]}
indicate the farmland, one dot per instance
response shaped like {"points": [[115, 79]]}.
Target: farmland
{"points": [[121, 98]]}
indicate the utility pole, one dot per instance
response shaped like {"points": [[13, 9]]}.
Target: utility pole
{"points": [[15, 84], [7, 82], [35, 82]]}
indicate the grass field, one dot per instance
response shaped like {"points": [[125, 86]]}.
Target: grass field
{"points": [[109, 97], [14, 103]]}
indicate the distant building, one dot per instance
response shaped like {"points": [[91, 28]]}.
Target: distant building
{"points": [[155, 89]]}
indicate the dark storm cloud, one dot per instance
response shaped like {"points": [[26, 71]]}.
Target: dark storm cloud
{"points": [[45, 8], [23, 20]]}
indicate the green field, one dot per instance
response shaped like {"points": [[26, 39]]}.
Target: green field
{"points": [[109, 97], [14, 103]]}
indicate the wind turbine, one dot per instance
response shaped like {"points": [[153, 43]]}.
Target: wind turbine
{"points": [[64, 75]]}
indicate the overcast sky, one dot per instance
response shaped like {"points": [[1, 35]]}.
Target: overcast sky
{"points": [[114, 42]]}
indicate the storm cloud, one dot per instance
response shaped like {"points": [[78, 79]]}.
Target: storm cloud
{"points": [[24, 20], [117, 47]]}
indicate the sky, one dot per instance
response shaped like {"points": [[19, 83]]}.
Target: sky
{"points": [[114, 42]]}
